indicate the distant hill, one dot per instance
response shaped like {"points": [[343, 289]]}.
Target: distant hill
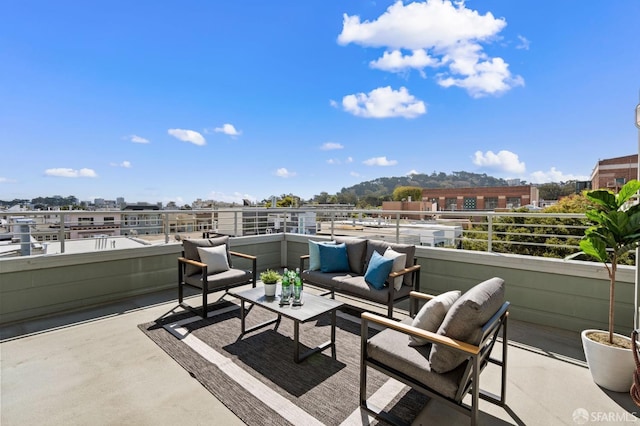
{"points": [[384, 186]]}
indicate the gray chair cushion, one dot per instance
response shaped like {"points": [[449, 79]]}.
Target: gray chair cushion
{"points": [[390, 348], [464, 322], [356, 249], [381, 246], [221, 279], [190, 248], [431, 315]]}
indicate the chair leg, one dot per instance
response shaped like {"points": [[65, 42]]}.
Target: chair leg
{"points": [[503, 390], [180, 288], [475, 391], [363, 366], [205, 292]]}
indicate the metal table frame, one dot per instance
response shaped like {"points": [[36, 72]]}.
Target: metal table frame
{"points": [[315, 307]]}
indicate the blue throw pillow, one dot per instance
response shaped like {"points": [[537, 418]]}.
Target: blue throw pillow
{"points": [[314, 254], [333, 258], [378, 270]]}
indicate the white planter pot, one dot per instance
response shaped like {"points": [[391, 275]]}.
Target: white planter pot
{"points": [[610, 367], [270, 289]]}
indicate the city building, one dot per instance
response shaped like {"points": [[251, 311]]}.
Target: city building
{"points": [[136, 219], [612, 173], [482, 198]]}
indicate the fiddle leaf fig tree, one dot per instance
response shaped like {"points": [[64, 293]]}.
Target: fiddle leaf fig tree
{"points": [[615, 230]]}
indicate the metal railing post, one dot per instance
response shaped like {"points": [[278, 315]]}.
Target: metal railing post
{"points": [[61, 233], [397, 227], [166, 228], [333, 214], [235, 223], [489, 232]]}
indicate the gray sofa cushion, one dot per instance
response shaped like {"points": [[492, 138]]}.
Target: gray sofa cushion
{"points": [[357, 286], [464, 322], [390, 348], [190, 247], [381, 246], [356, 250], [324, 279]]}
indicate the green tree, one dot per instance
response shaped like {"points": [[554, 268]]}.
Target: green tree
{"points": [[404, 192]]}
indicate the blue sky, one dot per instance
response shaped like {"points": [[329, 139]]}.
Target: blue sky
{"points": [[174, 101]]}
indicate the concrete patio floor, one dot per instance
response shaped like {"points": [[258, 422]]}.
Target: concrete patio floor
{"points": [[96, 367]]}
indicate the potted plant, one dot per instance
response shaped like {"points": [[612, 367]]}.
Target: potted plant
{"points": [[614, 232], [270, 279]]}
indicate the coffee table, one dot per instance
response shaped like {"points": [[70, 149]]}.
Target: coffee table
{"points": [[313, 307]]}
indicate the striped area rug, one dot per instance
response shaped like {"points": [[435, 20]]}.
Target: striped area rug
{"points": [[255, 377]]}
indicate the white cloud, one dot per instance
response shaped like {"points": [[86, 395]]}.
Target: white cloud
{"points": [[328, 146], [380, 161], [554, 175], [284, 173], [524, 43], [70, 173], [395, 61], [481, 78], [412, 172], [190, 136], [6, 180], [333, 161], [333, 103], [228, 129], [505, 161], [355, 174], [125, 164], [137, 139], [436, 33], [349, 159], [384, 102]]}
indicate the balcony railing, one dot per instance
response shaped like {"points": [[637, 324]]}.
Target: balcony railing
{"points": [[537, 234]]}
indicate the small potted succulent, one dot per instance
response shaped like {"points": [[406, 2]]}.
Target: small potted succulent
{"points": [[270, 279]]}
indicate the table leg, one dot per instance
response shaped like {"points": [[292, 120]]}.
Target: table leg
{"points": [[297, 358], [296, 341]]}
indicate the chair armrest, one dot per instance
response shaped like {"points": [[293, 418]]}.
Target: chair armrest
{"points": [[192, 262], [418, 332], [302, 261], [244, 256], [422, 296], [404, 271]]}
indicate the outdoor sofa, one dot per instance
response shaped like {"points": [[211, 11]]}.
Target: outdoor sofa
{"points": [[351, 266]]}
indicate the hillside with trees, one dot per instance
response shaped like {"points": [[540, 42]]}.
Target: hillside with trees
{"points": [[372, 193]]}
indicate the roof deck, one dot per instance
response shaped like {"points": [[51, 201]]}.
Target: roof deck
{"points": [[94, 366]]}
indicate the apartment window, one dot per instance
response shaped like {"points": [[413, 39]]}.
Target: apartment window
{"points": [[110, 220], [451, 203], [513, 202], [131, 220], [85, 221], [469, 203], [491, 203]]}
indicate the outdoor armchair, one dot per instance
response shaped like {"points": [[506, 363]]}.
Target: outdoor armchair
{"points": [[206, 265], [441, 367]]}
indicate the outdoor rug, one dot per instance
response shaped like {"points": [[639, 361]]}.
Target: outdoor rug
{"points": [[255, 377]]}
